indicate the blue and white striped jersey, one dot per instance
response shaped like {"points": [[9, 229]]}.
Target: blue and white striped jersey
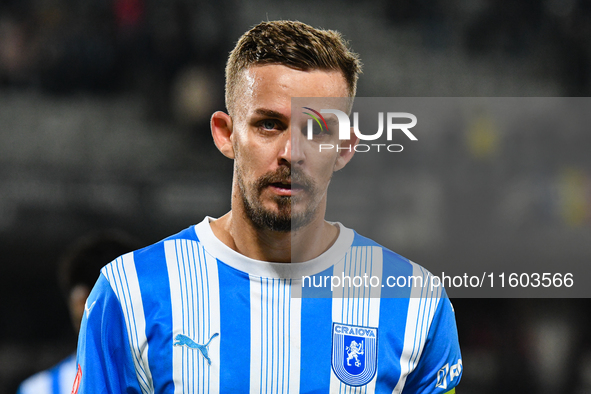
{"points": [[191, 315], [56, 380]]}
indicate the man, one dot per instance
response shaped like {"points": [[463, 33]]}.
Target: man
{"points": [[79, 269], [220, 307]]}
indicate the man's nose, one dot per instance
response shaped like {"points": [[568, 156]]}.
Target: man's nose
{"points": [[293, 147]]}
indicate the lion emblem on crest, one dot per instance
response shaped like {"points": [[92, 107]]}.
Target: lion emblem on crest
{"points": [[353, 350]]}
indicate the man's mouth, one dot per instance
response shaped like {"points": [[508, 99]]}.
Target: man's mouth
{"points": [[282, 185], [286, 188]]}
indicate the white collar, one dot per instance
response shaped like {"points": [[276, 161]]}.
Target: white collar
{"points": [[230, 257]]}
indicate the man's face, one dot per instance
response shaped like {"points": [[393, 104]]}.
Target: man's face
{"points": [[282, 178]]}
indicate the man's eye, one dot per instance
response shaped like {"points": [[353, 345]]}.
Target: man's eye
{"points": [[269, 124]]}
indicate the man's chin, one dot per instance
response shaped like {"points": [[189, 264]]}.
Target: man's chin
{"points": [[280, 213], [298, 221], [281, 222], [273, 223], [270, 219]]}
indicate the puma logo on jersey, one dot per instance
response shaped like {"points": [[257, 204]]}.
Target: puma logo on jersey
{"points": [[183, 340]]}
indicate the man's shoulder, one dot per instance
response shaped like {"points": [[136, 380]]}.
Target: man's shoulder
{"points": [[148, 262], [392, 262], [155, 249], [388, 256], [137, 281]]}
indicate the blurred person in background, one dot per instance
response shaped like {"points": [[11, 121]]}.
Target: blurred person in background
{"points": [[79, 269]]}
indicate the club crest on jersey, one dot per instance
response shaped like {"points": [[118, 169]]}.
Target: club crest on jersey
{"points": [[354, 353]]}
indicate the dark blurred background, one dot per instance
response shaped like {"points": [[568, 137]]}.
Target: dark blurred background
{"points": [[104, 109]]}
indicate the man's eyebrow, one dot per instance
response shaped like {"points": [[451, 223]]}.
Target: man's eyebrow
{"points": [[270, 113]]}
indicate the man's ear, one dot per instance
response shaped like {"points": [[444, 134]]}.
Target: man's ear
{"points": [[221, 130], [346, 150]]}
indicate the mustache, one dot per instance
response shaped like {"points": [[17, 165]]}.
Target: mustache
{"points": [[285, 175]]}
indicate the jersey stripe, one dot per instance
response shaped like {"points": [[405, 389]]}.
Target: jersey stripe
{"points": [[295, 336], [275, 336], [235, 320], [158, 312], [359, 306], [421, 309], [316, 341], [194, 289], [123, 279]]}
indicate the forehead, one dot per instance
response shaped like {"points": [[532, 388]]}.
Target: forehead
{"points": [[273, 86]]}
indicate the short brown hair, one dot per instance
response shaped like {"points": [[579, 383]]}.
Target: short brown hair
{"points": [[293, 44]]}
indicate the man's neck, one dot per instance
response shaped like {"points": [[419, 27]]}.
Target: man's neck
{"points": [[239, 234]]}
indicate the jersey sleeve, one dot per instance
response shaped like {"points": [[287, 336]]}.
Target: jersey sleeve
{"points": [[104, 357], [440, 366]]}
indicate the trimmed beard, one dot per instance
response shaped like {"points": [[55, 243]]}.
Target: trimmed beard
{"points": [[282, 219]]}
